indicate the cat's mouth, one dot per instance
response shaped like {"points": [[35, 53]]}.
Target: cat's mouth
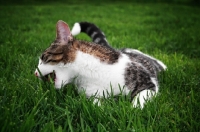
{"points": [[50, 77]]}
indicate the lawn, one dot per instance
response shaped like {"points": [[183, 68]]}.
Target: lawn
{"points": [[167, 31]]}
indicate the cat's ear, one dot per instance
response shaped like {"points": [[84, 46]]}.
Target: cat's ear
{"points": [[63, 33]]}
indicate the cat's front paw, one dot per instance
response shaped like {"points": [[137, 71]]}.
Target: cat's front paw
{"points": [[58, 84]]}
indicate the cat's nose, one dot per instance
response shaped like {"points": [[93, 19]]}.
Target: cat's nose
{"points": [[36, 74]]}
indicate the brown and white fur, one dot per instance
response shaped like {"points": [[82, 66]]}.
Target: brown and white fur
{"points": [[99, 70]]}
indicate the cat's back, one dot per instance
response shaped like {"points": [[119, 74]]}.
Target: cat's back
{"points": [[152, 65]]}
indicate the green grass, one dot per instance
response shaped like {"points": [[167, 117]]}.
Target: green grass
{"points": [[170, 32]]}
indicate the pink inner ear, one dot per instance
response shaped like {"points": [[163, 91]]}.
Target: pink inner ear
{"points": [[63, 31]]}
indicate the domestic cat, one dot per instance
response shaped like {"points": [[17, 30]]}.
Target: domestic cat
{"points": [[98, 69]]}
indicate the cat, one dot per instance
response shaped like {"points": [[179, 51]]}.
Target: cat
{"points": [[99, 69]]}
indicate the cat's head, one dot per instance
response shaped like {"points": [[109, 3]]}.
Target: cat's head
{"points": [[53, 59]]}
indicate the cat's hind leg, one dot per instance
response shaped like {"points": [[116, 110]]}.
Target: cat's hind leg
{"points": [[141, 98], [146, 95]]}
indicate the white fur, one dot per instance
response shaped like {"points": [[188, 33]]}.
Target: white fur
{"points": [[105, 40], [76, 29], [89, 74], [93, 34], [155, 83], [97, 77], [97, 40], [141, 98], [139, 52]]}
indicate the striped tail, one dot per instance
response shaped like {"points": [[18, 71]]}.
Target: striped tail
{"points": [[91, 30]]}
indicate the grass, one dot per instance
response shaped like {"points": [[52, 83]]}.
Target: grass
{"points": [[169, 32]]}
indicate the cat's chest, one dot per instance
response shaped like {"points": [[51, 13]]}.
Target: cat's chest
{"points": [[91, 72]]}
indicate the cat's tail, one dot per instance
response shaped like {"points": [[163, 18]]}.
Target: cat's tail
{"points": [[91, 30]]}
